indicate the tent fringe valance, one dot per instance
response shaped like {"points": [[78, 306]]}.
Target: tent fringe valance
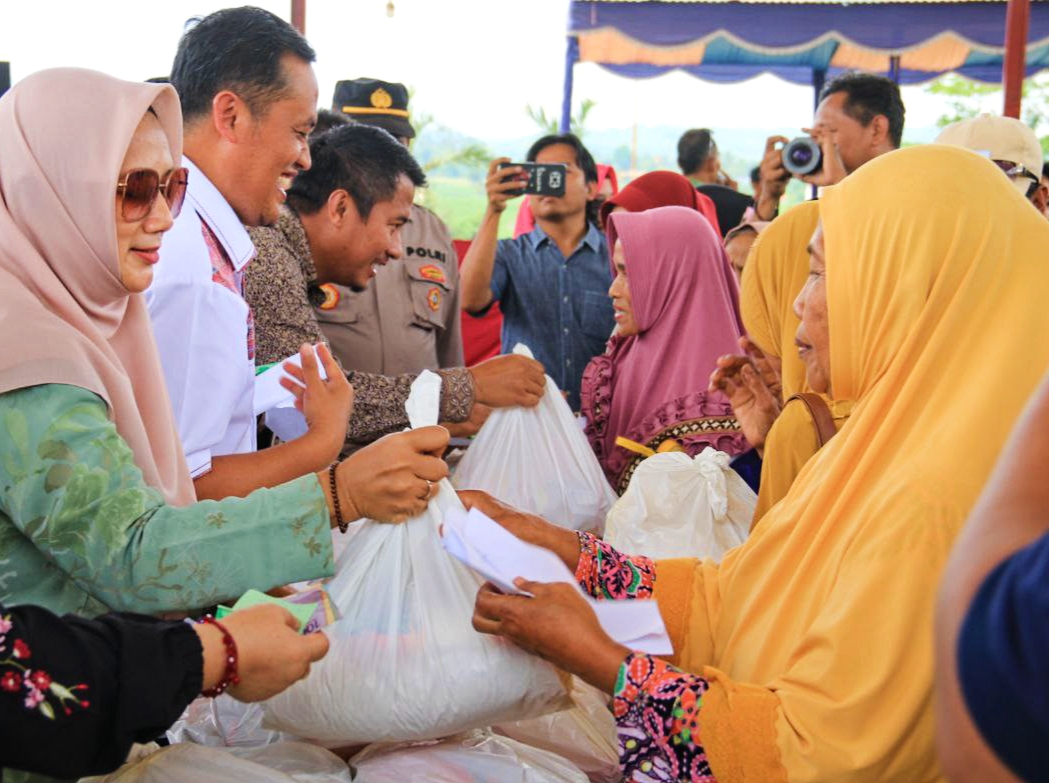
{"points": [[772, 51]]}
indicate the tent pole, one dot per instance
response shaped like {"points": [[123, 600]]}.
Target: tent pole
{"points": [[819, 78], [571, 55], [1017, 21], [298, 15], [894, 68]]}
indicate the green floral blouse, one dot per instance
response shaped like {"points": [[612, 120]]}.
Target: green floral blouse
{"points": [[81, 532]]}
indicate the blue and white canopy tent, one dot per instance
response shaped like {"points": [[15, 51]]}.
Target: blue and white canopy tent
{"points": [[801, 41]]}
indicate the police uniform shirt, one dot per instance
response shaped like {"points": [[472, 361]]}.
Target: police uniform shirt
{"points": [[407, 319]]}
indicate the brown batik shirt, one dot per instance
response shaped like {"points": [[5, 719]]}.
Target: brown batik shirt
{"points": [[280, 285]]}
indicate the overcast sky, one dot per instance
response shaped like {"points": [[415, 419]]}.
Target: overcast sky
{"points": [[474, 63]]}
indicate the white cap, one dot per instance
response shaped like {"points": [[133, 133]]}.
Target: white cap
{"points": [[999, 138]]}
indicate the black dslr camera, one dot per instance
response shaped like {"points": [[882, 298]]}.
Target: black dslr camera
{"points": [[802, 156]]}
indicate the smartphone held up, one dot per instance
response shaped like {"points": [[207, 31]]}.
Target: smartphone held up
{"points": [[544, 179]]}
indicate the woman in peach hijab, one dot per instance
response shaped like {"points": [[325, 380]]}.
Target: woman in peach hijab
{"points": [[97, 510], [807, 654]]}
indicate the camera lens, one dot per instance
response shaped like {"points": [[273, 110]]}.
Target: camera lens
{"points": [[802, 156]]}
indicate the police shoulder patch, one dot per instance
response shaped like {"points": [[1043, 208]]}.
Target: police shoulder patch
{"points": [[331, 297], [433, 272]]}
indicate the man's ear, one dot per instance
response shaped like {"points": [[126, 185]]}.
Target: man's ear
{"points": [[591, 190], [229, 115], [1041, 198], [342, 209], [880, 130]]}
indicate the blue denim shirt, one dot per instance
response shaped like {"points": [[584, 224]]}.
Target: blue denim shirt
{"points": [[559, 308]]}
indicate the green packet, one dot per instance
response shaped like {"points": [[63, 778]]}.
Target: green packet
{"points": [[301, 612], [263, 367]]}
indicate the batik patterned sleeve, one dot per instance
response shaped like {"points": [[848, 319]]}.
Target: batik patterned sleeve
{"points": [[657, 710], [605, 573], [81, 531], [378, 403]]}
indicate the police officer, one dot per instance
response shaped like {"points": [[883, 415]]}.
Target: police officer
{"points": [[407, 320]]}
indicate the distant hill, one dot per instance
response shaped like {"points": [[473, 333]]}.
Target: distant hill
{"points": [[741, 148], [456, 192]]}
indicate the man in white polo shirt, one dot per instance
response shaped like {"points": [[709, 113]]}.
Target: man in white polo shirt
{"points": [[249, 100]]}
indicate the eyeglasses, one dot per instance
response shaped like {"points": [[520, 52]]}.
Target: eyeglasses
{"points": [[138, 190], [1014, 170]]}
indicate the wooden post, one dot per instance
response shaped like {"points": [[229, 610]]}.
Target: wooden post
{"points": [[298, 15], [1017, 20]]}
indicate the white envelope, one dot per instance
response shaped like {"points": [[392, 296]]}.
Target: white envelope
{"points": [[500, 557]]}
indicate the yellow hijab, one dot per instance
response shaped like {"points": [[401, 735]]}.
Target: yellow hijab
{"points": [[816, 634], [773, 276]]}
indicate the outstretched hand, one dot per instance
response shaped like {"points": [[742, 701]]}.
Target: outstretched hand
{"points": [[271, 654], [557, 624], [327, 404], [508, 381], [528, 527], [755, 405]]}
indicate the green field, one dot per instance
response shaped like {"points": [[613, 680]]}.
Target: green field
{"points": [[460, 203]]}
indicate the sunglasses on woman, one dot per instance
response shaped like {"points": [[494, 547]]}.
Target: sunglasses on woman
{"points": [[138, 190]]}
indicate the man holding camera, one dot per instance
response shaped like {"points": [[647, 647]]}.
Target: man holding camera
{"points": [[551, 283], [859, 117]]}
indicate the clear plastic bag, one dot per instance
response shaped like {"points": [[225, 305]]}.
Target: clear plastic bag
{"points": [[473, 757], [223, 722], [405, 662], [538, 460], [285, 762], [681, 506], [584, 734]]}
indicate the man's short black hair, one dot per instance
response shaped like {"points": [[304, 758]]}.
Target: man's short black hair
{"points": [[363, 160], [1045, 170], [866, 96], [693, 149], [326, 120], [236, 49], [755, 175], [583, 158]]}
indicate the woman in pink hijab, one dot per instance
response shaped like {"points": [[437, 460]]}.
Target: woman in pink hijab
{"points": [[677, 310]]}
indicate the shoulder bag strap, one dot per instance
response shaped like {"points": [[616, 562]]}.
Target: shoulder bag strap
{"points": [[821, 416]]}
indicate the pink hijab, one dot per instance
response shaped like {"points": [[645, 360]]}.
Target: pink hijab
{"points": [[65, 317], [651, 387]]}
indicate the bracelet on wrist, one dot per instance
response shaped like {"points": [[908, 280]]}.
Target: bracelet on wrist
{"points": [[343, 525], [230, 677]]}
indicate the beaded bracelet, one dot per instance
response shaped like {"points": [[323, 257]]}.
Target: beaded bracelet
{"points": [[229, 676], [343, 526]]}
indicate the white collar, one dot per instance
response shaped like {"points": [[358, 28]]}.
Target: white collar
{"points": [[214, 210]]}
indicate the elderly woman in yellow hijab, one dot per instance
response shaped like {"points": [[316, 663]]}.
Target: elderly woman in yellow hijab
{"points": [[782, 416], [807, 654]]}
